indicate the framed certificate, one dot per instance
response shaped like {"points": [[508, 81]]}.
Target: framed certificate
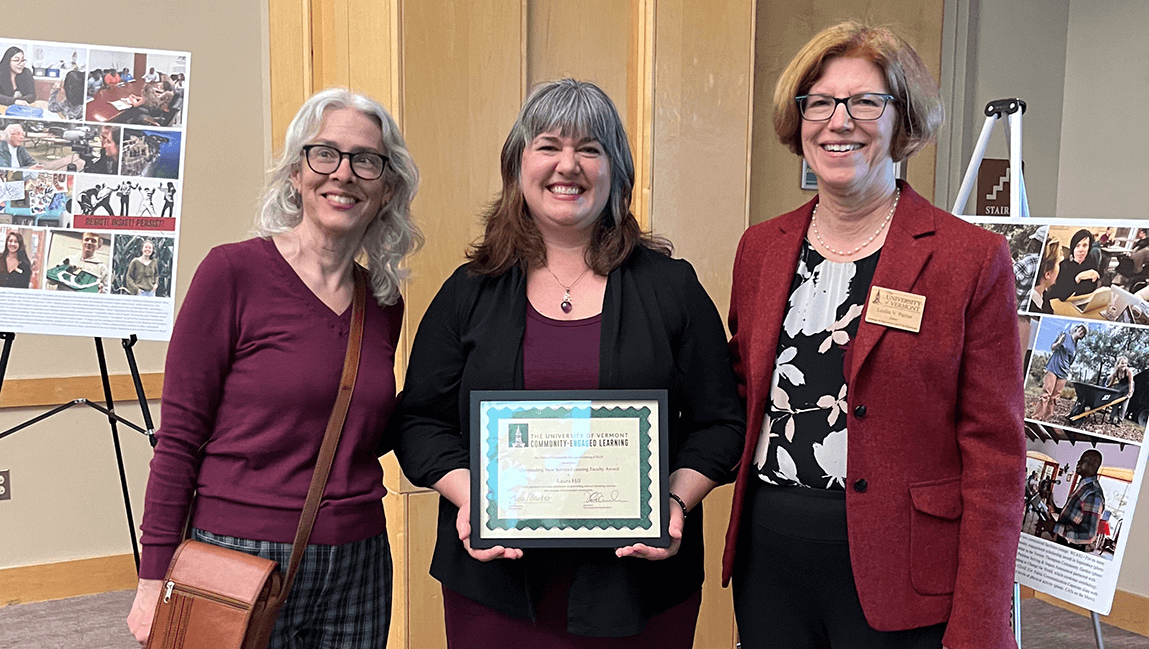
{"points": [[575, 468]]}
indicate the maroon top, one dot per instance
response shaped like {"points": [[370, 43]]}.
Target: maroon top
{"points": [[560, 354], [252, 371]]}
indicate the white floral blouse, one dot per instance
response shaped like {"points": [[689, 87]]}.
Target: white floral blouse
{"points": [[803, 441]]}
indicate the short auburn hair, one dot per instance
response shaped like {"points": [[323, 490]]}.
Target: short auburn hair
{"points": [[917, 101]]}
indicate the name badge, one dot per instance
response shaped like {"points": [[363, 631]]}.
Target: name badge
{"points": [[896, 309]]}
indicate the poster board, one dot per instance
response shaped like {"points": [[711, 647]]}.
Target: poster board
{"points": [[1083, 288], [92, 149]]}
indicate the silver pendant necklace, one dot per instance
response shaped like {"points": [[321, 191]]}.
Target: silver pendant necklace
{"points": [[566, 305]]}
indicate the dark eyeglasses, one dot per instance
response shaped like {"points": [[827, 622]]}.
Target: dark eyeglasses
{"points": [[325, 160], [866, 106]]}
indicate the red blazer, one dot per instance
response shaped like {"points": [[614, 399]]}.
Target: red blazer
{"points": [[936, 456]]}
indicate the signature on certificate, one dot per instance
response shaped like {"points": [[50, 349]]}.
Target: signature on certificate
{"points": [[600, 497], [528, 497]]}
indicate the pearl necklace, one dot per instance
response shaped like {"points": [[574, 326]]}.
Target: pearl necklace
{"points": [[566, 305], [814, 227]]}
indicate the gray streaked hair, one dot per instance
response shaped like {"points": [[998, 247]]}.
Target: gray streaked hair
{"points": [[392, 235], [576, 109]]}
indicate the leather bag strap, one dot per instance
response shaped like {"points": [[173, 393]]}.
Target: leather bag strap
{"points": [[331, 437]]}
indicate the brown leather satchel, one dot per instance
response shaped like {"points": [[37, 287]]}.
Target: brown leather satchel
{"points": [[215, 598]]}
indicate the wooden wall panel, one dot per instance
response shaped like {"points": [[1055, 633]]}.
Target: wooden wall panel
{"points": [[50, 581], [716, 628], [373, 58], [395, 507], [783, 28], [702, 94], [640, 106], [424, 594], [588, 41], [32, 393], [329, 43], [289, 41], [462, 74]]}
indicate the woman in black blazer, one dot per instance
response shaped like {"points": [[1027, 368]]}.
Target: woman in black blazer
{"points": [[16, 271], [16, 83], [565, 292]]}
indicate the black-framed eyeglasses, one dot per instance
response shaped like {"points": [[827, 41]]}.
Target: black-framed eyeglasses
{"points": [[865, 106], [325, 160]]}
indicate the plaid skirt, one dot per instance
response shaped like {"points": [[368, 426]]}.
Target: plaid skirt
{"points": [[341, 596]]}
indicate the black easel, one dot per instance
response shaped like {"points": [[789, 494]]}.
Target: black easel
{"points": [[109, 409]]}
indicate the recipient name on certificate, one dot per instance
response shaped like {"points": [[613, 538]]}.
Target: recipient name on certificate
{"points": [[568, 468]]}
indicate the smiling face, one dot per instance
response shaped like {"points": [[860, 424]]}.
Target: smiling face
{"points": [[565, 181], [1081, 250], [849, 155], [17, 62], [12, 244], [15, 135], [148, 250], [341, 201], [91, 243]]}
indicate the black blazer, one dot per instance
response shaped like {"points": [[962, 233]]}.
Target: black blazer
{"points": [[25, 84], [659, 330]]}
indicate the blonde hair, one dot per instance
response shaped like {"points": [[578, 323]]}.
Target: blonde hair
{"points": [[916, 98]]}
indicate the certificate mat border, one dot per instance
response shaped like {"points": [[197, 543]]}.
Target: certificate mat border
{"points": [[485, 538]]}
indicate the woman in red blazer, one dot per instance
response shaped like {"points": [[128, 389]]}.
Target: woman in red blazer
{"points": [[879, 498]]}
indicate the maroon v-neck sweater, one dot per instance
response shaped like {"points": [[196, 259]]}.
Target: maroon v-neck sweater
{"points": [[251, 376]]}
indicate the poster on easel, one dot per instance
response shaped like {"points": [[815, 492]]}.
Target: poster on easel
{"points": [[92, 148], [1083, 286]]}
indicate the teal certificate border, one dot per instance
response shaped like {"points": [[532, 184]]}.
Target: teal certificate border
{"points": [[490, 408], [495, 415]]}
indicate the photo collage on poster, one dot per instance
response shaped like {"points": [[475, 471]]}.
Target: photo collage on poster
{"points": [[91, 182], [1082, 291]]}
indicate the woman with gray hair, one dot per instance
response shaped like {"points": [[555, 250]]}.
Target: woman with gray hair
{"points": [[566, 292], [252, 373]]}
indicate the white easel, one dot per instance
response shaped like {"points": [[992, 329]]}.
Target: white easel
{"points": [[1018, 206], [994, 111]]}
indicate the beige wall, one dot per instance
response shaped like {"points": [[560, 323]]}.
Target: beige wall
{"points": [[1102, 173], [66, 500], [1000, 49]]}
